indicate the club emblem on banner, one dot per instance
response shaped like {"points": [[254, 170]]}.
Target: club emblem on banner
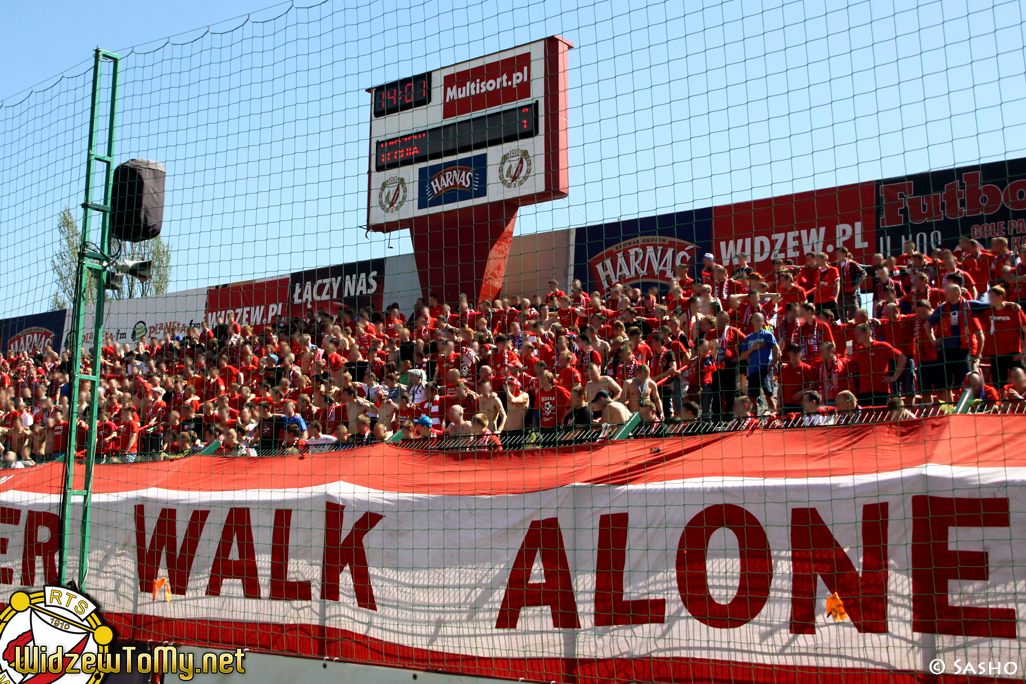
{"points": [[56, 624], [515, 168], [392, 194]]}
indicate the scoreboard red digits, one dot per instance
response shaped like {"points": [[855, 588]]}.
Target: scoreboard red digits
{"points": [[508, 125], [401, 95], [500, 119]]}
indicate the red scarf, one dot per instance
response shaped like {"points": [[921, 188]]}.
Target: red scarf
{"points": [[720, 289]]}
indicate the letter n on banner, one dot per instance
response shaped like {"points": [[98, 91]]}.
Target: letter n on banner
{"points": [[815, 552]]}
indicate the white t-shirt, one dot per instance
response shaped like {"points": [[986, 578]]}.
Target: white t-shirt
{"points": [[321, 444]]}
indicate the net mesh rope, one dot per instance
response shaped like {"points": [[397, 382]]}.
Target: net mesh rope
{"points": [[748, 500]]}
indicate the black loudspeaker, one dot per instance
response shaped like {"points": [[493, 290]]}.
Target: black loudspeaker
{"points": [[137, 200]]}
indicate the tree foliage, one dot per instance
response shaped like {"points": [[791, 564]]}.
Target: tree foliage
{"points": [[65, 263]]}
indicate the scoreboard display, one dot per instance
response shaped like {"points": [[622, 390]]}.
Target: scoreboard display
{"points": [[492, 129]]}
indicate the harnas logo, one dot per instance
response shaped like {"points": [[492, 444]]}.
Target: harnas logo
{"points": [[53, 635], [649, 259], [452, 178], [452, 181], [33, 339]]}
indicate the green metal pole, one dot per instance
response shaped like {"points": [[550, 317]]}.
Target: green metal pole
{"points": [[88, 261]]}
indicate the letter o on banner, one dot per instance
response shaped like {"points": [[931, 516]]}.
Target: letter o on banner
{"points": [[756, 567]]}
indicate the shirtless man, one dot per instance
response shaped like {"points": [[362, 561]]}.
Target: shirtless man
{"points": [[355, 407], [642, 388], [488, 404], [519, 401], [457, 426], [600, 383], [614, 414]]}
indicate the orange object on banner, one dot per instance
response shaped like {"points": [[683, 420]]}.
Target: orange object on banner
{"points": [[835, 608], [162, 583]]}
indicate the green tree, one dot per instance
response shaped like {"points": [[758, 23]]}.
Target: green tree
{"points": [[65, 263]]}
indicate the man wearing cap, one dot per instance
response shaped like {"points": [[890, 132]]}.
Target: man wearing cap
{"points": [[424, 429], [613, 413], [708, 264]]}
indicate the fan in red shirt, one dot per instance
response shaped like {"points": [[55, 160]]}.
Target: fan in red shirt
{"points": [[976, 262], [213, 385], [921, 290], [555, 293], [870, 368], [796, 378], [627, 368], [567, 375], [828, 285], [502, 358], [808, 275], [810, 335], [923, 349], [128, 435], [106, 434], [833, 375], [586, 355], [565, 315], [1008, 279], [553, 401], [722, 286], [752, 304], [726, 343], [982, 392], [787, 323], [1014, 393], [899, 330], [1003, 325]]}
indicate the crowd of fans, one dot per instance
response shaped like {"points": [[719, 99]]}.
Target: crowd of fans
{"points": [[810, 341]]}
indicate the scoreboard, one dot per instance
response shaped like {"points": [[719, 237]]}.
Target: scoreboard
{"points": [[492, 129]]}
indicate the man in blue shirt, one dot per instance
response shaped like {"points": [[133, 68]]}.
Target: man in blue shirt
{"points": [[761, 351], [291, 417]]}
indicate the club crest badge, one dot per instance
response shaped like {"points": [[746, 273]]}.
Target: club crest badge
{"points": [[515, 168], [51, 636], [392, 194]]}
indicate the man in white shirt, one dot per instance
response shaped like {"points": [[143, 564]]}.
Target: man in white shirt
{"points": [[318, 441]]}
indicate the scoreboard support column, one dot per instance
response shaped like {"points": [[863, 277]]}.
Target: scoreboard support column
{"points": [[464, 251]]}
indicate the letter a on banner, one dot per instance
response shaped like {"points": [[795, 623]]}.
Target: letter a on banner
{"points": [[556, 592]]}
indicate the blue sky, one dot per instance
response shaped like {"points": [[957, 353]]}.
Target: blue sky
{"points": [[263, 122]]}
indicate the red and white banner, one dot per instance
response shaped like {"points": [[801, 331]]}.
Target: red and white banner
{"points": [[789, 227], [255, 302], [699, 559]]}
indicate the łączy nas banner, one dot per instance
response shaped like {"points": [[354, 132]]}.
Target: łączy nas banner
{"points": [[703, 558]]}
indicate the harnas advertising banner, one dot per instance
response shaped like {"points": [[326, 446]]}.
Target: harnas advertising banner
{"points": [[32, 333], [641, 252], [936, 208]]}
